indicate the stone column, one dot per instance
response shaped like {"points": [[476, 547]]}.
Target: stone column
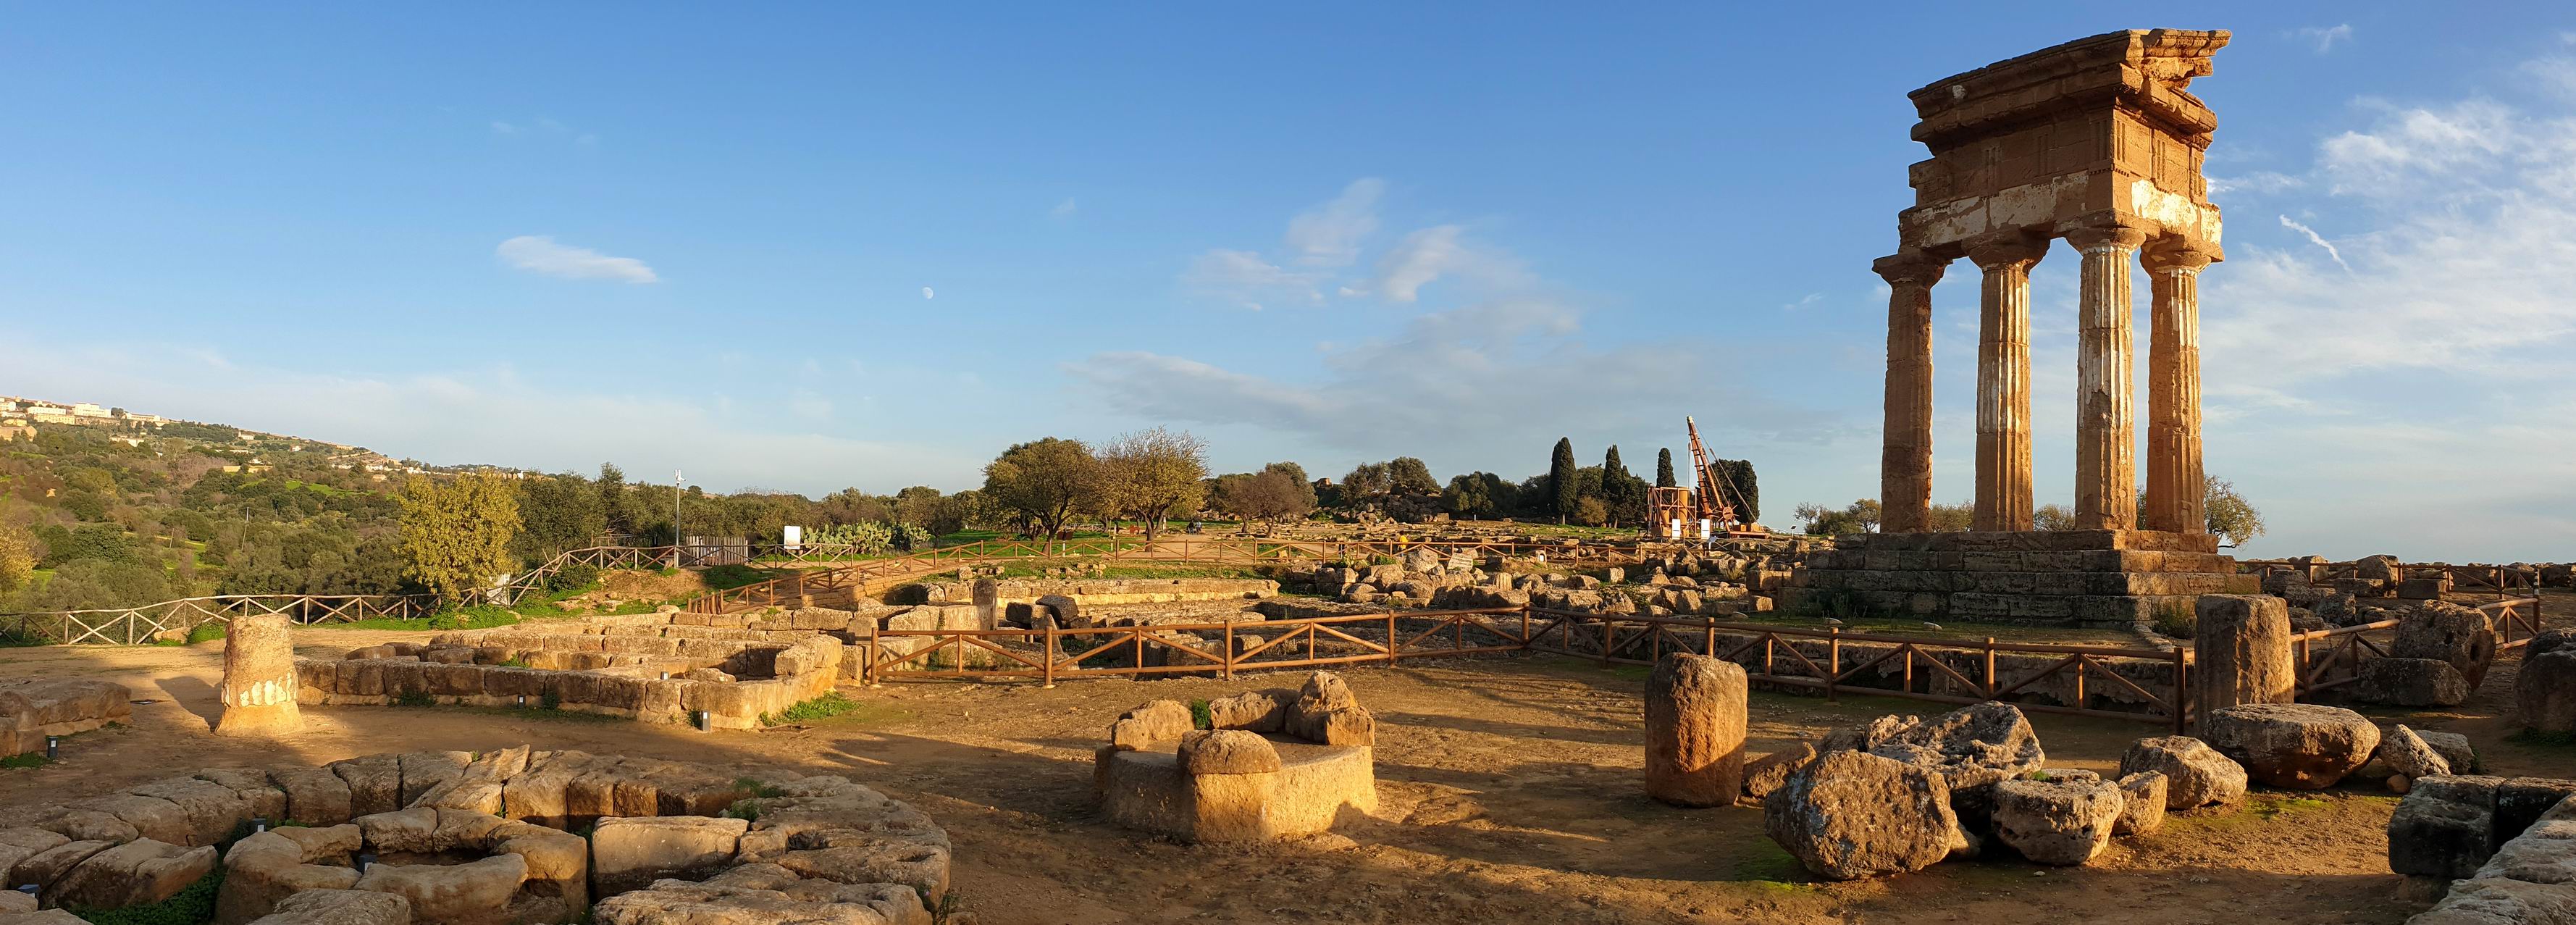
{"points": [[2242, 653], [1695, 731], [2106, 429], [1905, 464], [259, 678], [2003, 379], [2174, 490]]}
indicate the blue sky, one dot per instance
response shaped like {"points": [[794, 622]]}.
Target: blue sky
{"points": [[804, 247]]}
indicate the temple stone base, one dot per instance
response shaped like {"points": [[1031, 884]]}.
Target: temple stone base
{"points": [[2063, 577]]}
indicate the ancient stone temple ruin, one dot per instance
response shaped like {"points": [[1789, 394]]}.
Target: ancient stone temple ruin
{"points": [[2096, 141]]}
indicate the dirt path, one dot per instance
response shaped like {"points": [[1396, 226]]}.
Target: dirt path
{"points": [[1509, 790]]}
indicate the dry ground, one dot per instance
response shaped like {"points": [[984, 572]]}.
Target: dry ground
{"points": [[1509, 787]]}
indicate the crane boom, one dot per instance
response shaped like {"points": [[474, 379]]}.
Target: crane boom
{"points": [[1716, 495]]}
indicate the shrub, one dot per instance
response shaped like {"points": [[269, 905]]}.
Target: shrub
{"points": [[756, 787], [513, 662], [415, 699], [191, 905], [208, 631], [550, 700], [1200, 718], [823, 707], [574, 577], [2176, 620]]}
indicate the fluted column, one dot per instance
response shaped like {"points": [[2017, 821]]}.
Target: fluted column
{"points": [[2174, 476], [1905, 463], [2106, 428], [2003, 379]]}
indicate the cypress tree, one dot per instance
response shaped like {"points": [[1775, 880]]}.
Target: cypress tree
{"points": [[1560, 478], [1664, 468]]}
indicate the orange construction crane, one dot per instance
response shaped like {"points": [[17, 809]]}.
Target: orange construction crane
{"points": [[1716, 493]]}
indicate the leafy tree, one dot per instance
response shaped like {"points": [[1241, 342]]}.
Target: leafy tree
{"points": [[1743, 490], [557, 513], [1278, 491], [85, 584], [611, 487], [1590, 512], [2052, 517], [1467, 496], [1152, 474], [1366, 482], [1623, 494], [1560, 478], [1408, 476], [1954, 518], [1859, 517], [17, 561], [2228, 514], [456, 536], [100, 542], [1664, 468], [1043, 483]]}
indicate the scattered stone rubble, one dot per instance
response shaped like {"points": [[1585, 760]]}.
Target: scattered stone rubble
{"points": [[461, 838], [2495, 850], [2545, 687], [1272, 764], [32, 709], [641, 667], [1685, 582]]}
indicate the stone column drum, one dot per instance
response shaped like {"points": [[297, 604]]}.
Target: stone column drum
{"points": [[1905, 466], [2174, 491], [2106, 433], [1695, 731], [2241, 651], [2003, 379], [259, 678]]}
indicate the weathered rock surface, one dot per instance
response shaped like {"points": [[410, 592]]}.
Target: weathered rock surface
{"points": [[630, 853], [2545, 687], [1765, 774], [2196, 775], [135, 873], [2146, 795], [1228, 751], [340, 907], [2408, 754], [1157, 721], [2459, 635], [2242, 647], [2411, 682], [2502, 902], [1851, 815], [258, 693], [2062, 822], [1695, 717], [2299, 746]]}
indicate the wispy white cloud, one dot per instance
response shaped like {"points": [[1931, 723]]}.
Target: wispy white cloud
{"points": [[2318, 240], [1064, 209], [1425, 256], [2324, 38], [1246, 279], [1810, 299], [1329, 235], [541, 254], [2260, 182]]}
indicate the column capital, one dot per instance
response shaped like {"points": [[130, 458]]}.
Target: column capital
{"points": [[2098, 238], [2177, 255], [1910, 267], [2000, 249]]}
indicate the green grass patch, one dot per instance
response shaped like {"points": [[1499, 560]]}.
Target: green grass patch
{"points": [[192, 905], [1200, 718], [415, 699], [758, 788], [2543, 739], [729, 577], [28, 760], [2275, 807], [206, 632], [1770, 867], [820, 708]]}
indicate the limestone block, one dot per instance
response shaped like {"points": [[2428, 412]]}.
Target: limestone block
{"points": [[258, 693], [2521, 801], [424, 771], [20, 844], [1695, 719], [2411, 682], [557, 888], [2497, 901], [1852, 815], [151, 817], [630, 853], [264, 869], [1156, 721], [2409, 755], [1769, 772], [2544, 854], [2196, 775], [375, 783], [473, 893], [46, 868], [2242, 647], [263, 797], [2444, 828], [2063, 822], [213, 810], [2545, 690], [2146, 795], [340, 907], [2459, 635], [2454, 748], [2293, 745], [764, 894], [1227, 751]]}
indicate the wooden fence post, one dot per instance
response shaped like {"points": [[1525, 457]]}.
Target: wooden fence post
{"points": [[1833, 660], [1225, 656], [2181, 692], [1390, 636], [1605, 643], [1989, 678]]}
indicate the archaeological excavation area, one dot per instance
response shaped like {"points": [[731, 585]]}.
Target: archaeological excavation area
{"points": [[2119, 720]]}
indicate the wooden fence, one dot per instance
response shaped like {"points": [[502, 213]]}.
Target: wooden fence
{"points": [[801, 587], [2330, 658], [138, 625]]}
